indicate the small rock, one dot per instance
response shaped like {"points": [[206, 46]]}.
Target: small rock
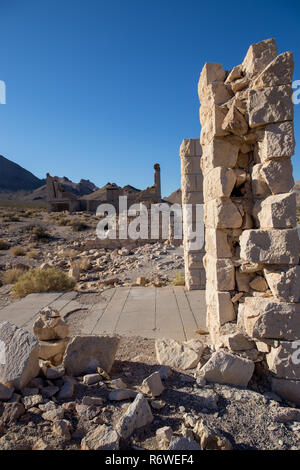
{"points": [[6, 392], [182, 443], [54, 414], [92, 401], [118, 383], [32, 400], [62, 428], [91, 379], [122, 394], [157, 404], [101, 438], [137, 415], [53, 373], [153, 385], [67, 390]]}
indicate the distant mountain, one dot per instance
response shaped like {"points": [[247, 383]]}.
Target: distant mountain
{"points": [[175, 197], [78, 189], [15, 178]]}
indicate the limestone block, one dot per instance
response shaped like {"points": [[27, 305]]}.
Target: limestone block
{"points": [[278, 175], [20, 355], [216, 243], [219, 273], [85, 353], [210, 73], [194, 278], [240, 84], [178, 355], [278, 141], [284, 283], [238, 342], [192, 182], [194, 259], [222, 213], [49, 349], [190, 165], [101, 438], [214, 93], [241, 177], [219, 307], [270, 105], [219, 153], [195, 197], [211, 119], [235, 122], [226, 368], [287, 389], [153, 385], [259, 185], [276, 211], [259, 55], [267, 318], [234, 74], [190, 148], [284, 361], [278, 72], [270, 247], [259, 284], [219, 182], [243, 281]]}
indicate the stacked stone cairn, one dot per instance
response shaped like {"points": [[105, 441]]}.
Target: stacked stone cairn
{"points": [[53, 335], [252, 245], [192, 194]]}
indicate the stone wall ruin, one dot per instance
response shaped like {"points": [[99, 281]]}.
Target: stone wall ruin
{"points": [[252, 246]]}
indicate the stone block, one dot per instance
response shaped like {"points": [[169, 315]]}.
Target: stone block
{"points": [[219, 182], [284, 283], [278, 72], [178, 355], [287, 389], [266, 318], [85, 353], [276, 211], [284, 361], [20, 356], [192, 182], [190, 148], [259, 56], [259, 185], [270, 246], [214, 93], [270, 105], [219, 153], [278, 175], [195, 197], [235, 122], [219, 273], [278, 141], [222, 213], [190, 166], [216, 243], [219, 307], [211, 119], [210, 73], [226, 368]]}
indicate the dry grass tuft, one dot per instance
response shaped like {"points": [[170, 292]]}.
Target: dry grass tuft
{"points": [[11, 275], [42, 280], [4, 245], [179, 279], [17, 251]]}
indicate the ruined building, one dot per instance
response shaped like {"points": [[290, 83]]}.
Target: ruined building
{"points": [[59, 199], [252, 245]]}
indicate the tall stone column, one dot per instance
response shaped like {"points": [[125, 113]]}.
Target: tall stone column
{"points": [[192, 194], [252, 245]]}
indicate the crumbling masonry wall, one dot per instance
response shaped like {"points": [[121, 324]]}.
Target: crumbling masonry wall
{"points": [[252, 245], [192, 193]]}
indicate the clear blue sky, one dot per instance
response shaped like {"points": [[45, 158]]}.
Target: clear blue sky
{"points": [[104, 89]]}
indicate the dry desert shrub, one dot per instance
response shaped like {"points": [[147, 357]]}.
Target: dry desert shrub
{"points": [[78, 225], [38, 232], [69, 253], [179, 279], [17, 251], [11, 275], [42, 280], [4, 245], [34, 254]]}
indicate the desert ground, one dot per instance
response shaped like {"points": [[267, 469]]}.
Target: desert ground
{"points": [[208, 414]]}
